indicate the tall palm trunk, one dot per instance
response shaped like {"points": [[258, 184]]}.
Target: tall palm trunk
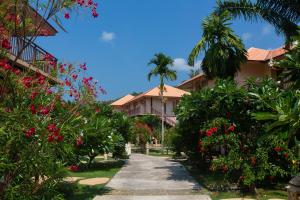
{"points": [[162, 113]]}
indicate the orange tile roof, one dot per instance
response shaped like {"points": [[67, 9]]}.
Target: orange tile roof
{"points": [[155, 92], [256, 54], [123, 100]]}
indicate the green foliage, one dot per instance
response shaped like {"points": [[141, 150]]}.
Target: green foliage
{"points": [[283, 15], [102, 131], [224, 51], [216, 129]]}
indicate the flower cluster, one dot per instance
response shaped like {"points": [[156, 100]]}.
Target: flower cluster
{"points": [[211, 131], [30, 132], [7, 67], [54, 133], [73, 168]]}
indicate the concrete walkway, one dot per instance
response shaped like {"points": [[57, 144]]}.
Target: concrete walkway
{"points": [[152, 178]]}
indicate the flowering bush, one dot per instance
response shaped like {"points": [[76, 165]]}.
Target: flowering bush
{"points": [[102, 131], [38, 128], [217, 130]]}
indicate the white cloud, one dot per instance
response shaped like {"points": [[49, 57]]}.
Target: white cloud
{"points": [[246, 36], [180, 64], [107, 36], [266, 30]]}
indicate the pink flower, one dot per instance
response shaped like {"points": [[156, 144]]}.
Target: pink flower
{"points": [[67, 15], [74, 76], [83, 66], [49, 92], [79, 141]]}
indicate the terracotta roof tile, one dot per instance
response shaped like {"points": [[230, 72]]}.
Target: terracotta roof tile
{"points": [[169, 92], [123, 100]]}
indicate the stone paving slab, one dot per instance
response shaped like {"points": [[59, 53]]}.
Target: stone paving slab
{"points": [[154, 197], [144, 172], [93, 181]]}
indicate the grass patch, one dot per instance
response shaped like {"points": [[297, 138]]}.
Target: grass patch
{"points": [[102, 169], [75, 191]]}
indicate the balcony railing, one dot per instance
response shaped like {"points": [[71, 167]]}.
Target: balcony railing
{"points": [[31, 53]]}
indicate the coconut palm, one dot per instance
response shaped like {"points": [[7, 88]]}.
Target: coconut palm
{"points": [[224, 51], [161, 69], [282, 14]]}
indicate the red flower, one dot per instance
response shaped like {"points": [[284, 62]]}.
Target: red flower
{"points": [[209, 133], [32, 109], [79, 141], [44, 110], [52, 127], [74, 76], [67, 15], [98, 110], [277, 149], [5, 65], [73, 168], [49, 91], [6, 44], [33, 95], [41, 80], [83, 67], [30, 132], [231, 128], [61, 68], [228, 114], [48, 57], [27, 81], [50, 138], [286, 155], [16, 71], [68, 83], [59, 138]]}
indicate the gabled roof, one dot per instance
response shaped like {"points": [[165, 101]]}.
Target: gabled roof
{"points": [[169, 92], [253, 54], [256, 54], [191, 79], [123, 100]]}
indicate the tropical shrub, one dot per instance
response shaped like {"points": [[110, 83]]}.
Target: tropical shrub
{"points": [[216, 129], [38, 130], [102, 131]]}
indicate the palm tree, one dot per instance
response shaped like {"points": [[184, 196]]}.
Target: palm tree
{"points": [[282, 14], [224, 51], [161, 69]]}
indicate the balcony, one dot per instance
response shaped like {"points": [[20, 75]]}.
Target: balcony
{"points": [[31, 54]]}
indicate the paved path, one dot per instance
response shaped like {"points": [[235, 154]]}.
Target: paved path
{"points": [[152, 178]]}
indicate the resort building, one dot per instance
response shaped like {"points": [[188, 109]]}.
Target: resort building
{"points": [[150, 103], [257, 66], [27, 55]]}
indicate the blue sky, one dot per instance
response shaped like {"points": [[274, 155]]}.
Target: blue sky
{"points": [[118, 45]]}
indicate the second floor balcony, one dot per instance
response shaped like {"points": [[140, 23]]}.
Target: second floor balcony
{"points": [[32, 54]]}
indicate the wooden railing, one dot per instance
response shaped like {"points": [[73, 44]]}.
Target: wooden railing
{"points": [[30, 53]]}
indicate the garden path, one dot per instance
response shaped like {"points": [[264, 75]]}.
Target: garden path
{"points": [[153, 178]]}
